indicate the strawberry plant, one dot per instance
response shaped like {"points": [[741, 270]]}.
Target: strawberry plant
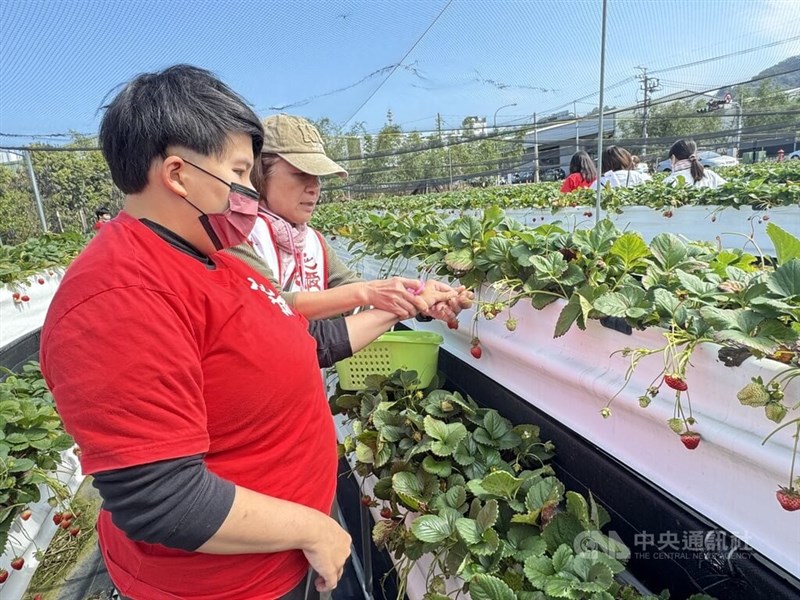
{"points": [[38, 255], [31, 441], [461, 484]]}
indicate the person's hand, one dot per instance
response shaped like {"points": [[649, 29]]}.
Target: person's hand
{"points": [[437, 296], [396, 295], [447, 311], [328, 553]]}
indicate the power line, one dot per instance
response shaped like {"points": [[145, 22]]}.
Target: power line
{"points": [[400, 62], [729, 55]]}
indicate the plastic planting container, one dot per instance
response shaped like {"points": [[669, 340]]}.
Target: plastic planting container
{"points": [[407, 350]]}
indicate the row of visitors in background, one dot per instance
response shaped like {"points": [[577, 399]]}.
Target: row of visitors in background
{"points": [[620, 169]]}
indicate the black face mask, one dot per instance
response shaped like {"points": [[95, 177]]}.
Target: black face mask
{"points": [[233, 226]]}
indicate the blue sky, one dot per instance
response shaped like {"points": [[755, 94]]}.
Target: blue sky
{"points": [[60, 58]]}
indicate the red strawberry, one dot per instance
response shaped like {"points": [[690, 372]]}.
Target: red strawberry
{"points": [[37, 597], [17, 563], [16, 296], [690, 439], [366, 500], [25, 515], [65, 524], [68, 516], [74, 531], [476, 351], [25, 298], [3, 575], [668, 214], [386, 513], [41, 281], [676, 383], [452, 324], [789, 498], [57, 518]]}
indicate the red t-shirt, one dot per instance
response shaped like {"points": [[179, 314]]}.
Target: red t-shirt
{"points": [[573, 182], [152, 356]]}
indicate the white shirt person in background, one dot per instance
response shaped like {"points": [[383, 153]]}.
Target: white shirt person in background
{"points": [[619, 170], [687, 168]]}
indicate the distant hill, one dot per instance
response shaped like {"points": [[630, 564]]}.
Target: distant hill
{"points": [[787, 81]]}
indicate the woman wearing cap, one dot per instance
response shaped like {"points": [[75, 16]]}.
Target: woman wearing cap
{"points": [[298, 260], [687, 168]]}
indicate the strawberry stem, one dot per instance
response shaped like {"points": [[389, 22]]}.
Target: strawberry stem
{"points": [[796, 437]]}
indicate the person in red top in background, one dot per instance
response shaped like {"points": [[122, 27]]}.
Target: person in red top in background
{"points": [[198, 406], [102, 216], [581, 173]]}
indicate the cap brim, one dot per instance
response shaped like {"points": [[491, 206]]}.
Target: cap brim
{"points": [[314, 164]]}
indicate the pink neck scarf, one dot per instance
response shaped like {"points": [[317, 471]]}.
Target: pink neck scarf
{"points": [[290, 239]]}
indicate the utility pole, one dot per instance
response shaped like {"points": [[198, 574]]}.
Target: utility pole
{"points": [[535, 150], [577, 126], [439, 125], [36, 195], [649, 85]]}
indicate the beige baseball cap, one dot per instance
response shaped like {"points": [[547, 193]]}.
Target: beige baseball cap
{"points": [[299, 143]]}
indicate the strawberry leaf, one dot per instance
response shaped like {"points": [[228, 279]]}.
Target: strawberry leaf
{"points": [[446, 436], [501, 484], [488, 587], [631, 249], [431, 528], [785, 281], [487, 516], [787, 246], [441, 468]]}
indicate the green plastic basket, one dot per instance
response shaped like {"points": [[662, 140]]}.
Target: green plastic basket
{"points": [[408, 350]]}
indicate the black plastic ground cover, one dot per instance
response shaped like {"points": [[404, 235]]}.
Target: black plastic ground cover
{"points": [[384, 580], [20, 351], [697, 555]]}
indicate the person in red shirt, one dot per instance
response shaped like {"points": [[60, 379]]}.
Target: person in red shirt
{"points": [[582, 173], [198, 405]]}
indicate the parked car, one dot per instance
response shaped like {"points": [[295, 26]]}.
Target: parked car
{"points": [[707, 159], [794, 155], [523, 177]]}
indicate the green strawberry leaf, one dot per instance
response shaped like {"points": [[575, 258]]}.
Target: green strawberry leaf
{"points": [[538, 569], [571, 311], [446, 436], [441, 468], [488, 587], [468, 531], [787, 246], [543, 493], [785, 281], [501, 484], [669, 251], [628, 302], [487, 516], [431, 528], [631, 249]]}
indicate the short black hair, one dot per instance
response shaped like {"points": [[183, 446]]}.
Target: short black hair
{"points": [[101, 211], [182, 105]]}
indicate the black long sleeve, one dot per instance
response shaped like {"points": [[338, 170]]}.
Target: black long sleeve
{"points": [[177, 503]]}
